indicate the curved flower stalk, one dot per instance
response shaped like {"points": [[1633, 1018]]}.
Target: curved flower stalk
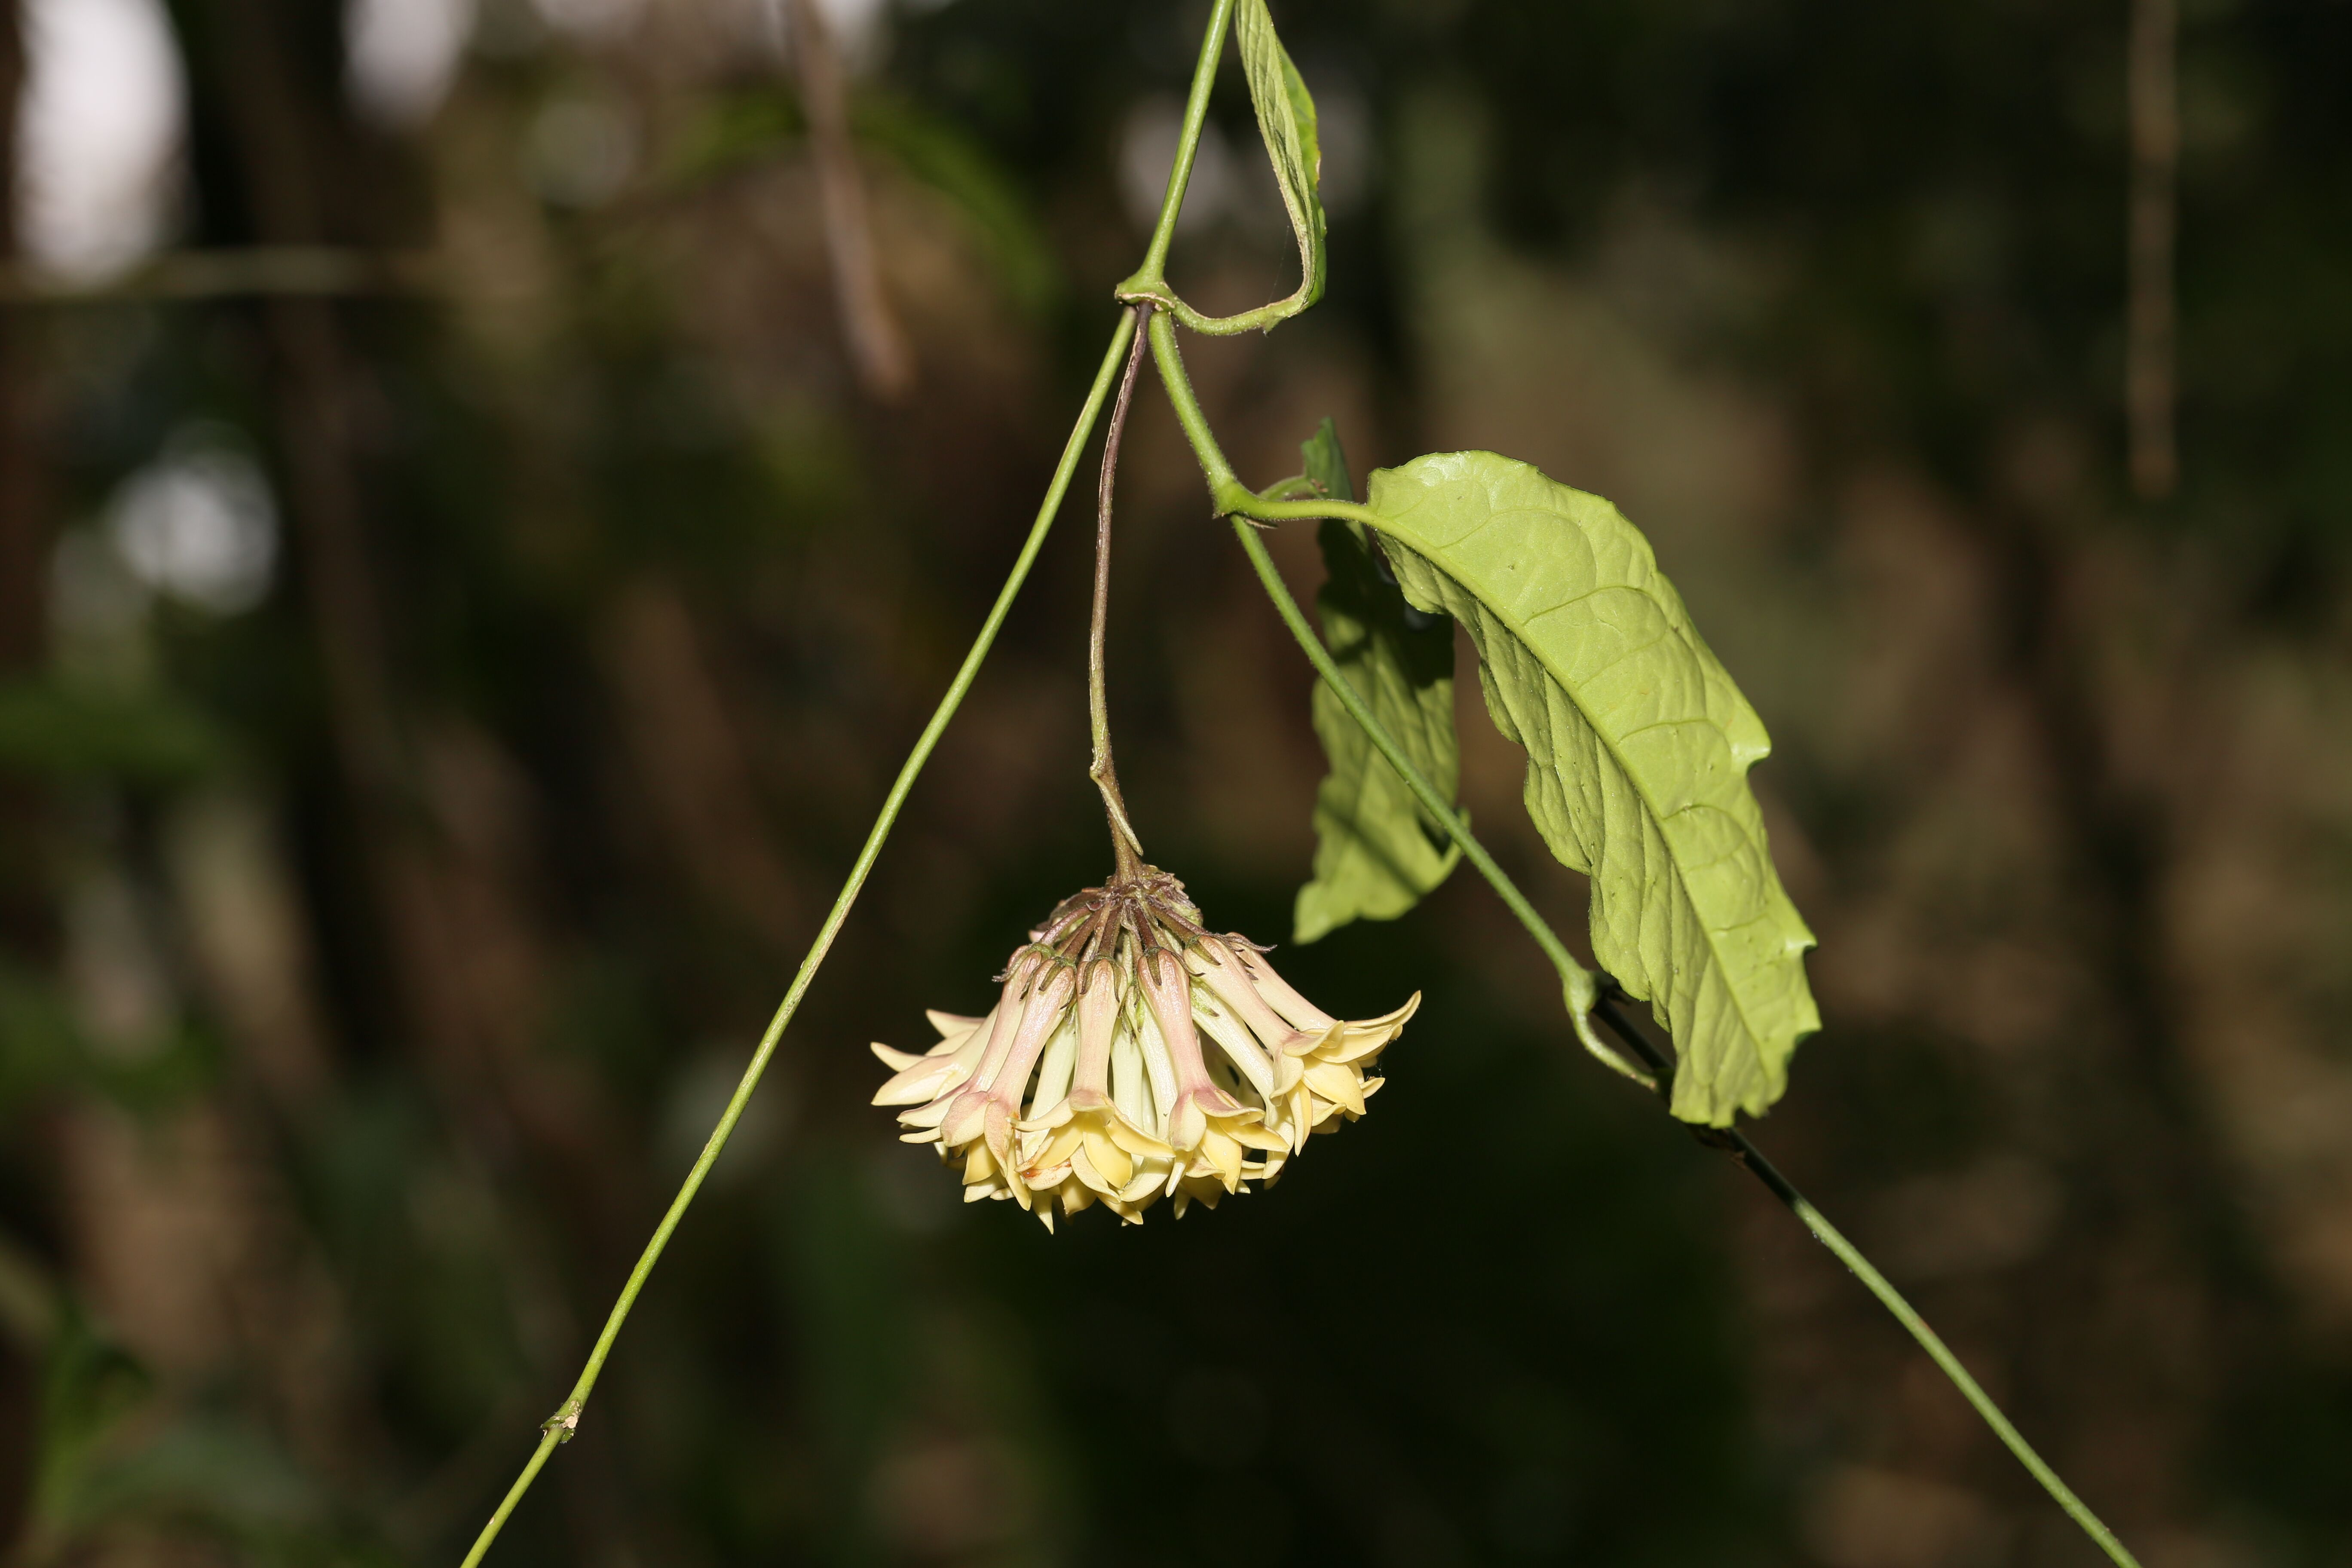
{"points": [[1133, 1056]]}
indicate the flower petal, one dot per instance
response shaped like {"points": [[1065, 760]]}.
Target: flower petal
{"points": [[1235, 1041], [966, 1118], [950, 1024], [1340, 1085], [1054, 1066], [1232, 986], [1301, 1012], [1090, 1081], [897, 1061], [927, 1080]]}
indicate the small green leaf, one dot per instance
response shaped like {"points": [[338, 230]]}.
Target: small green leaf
{"points": [[1376, 854], [1286, 119], [1323, 465], [1638, 750]]}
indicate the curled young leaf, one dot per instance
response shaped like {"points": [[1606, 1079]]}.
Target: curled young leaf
{"points": [[1376, 853], [1285, 122], [1638, 750], [1286, 119]]}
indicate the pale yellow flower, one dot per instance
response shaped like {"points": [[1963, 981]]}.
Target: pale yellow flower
{"points": [[1130, 1056]]}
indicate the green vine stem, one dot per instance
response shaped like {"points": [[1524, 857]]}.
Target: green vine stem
{"points": [[1736, 1144], [1582, 989], [1244, 506], [1149, 283], [1234, 499], [560, 1428]]}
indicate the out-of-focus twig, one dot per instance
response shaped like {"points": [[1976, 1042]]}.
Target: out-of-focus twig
{"points": [[252, 272], [877, 347], [274, 149], [23, 541], [695, 765], [2149, 375], [27, 913]]}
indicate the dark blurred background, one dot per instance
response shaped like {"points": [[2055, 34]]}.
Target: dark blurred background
{"points": [[489, 490]]}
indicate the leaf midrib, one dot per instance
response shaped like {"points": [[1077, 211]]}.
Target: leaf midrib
{"points": [[1674, 856]]}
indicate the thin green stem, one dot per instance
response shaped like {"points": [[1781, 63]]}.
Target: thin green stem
{"points": [[550, 1437], [1578, 985], [1196, 114], [1892, 1300], [1233, 498], [1737, 1142], [1441, 811], [1577, 980], [1929, 1340], [1225, 486], [566, 1420]]}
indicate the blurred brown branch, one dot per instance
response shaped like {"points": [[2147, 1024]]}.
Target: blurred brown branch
{"points": [[878, 346], [2148, 369], [24, 543], [290, 270], [27, 916]]}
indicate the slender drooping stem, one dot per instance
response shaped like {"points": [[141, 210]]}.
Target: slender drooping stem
{"points": [[566, 1420], [1124, 846], [878, 344], [1736, 1144], [1660, 1074], [1661, 1069], [2151, 312], [1187, 141], [559, 1427], [1233, 498]]}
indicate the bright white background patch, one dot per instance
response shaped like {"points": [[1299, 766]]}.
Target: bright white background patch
{"points": [[402, 55], [856, 26], [103, 119], [1147, 146], [592, 21], [198, 524]]}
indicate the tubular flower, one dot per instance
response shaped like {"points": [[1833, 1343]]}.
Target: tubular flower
{"points": [[1131, 1056]]}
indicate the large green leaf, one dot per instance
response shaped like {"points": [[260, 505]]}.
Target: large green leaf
{"points": [[1286, 119], [1638, 750], [1376, 854]]}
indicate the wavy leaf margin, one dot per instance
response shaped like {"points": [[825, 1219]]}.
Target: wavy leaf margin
{"points": [[1638, 748]]}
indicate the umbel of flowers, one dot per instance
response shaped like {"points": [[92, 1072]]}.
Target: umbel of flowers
{"points": [[1132, 1055]]}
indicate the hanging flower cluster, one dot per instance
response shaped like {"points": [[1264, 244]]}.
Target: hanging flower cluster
{"points": [[1132, 1055]]}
